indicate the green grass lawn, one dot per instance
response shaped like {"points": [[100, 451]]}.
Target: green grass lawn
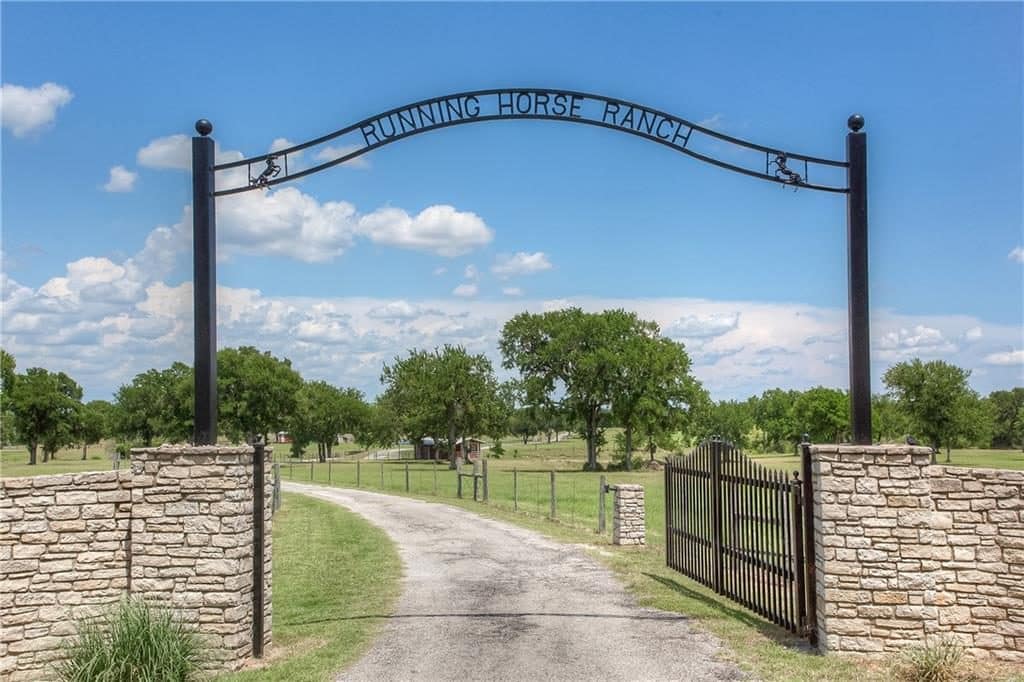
{"points": [[336, 577], [14, 461], [763, 649]]}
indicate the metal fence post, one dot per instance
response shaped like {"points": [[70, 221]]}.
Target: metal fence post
{"points": [[808, 520], [277, 487], [554, 502], [434, 469], [458, 480], [382, 475], [358, 472], [515, 489], [328, 471], [406, 478], [485, 480], [258, 488], [476, 478], [600, 505], [311, 469], [717, 447]]}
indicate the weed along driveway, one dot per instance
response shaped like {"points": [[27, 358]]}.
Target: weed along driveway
{"points": [[485, 600]]}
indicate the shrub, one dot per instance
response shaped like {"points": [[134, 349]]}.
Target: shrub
{"points": [[934, 661], [133, 641]]}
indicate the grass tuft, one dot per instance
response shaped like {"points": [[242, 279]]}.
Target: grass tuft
{"points": [[938, 660], [132, 642]]}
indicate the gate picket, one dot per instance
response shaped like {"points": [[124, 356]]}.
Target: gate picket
{"points": [[739, 528]]}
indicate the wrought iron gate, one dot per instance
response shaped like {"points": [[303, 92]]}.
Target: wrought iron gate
{"points": [[744, 531]]}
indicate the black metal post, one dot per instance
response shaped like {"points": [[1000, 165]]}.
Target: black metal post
{"points": [[717, 448], [204, 285], [809, 546], [258, 482], [857, 240]]}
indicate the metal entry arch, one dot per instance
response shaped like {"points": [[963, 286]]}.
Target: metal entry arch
{"points": [[478, 106]]}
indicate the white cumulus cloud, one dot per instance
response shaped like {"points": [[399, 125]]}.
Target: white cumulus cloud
{"points": [[330, 153], [465, 290], [1008, 358], [26, 110], [1017, 254], [512, 291], [919, 340], [173, 151], [703, 326], [520, 263], [442, 230], [121, 180]]}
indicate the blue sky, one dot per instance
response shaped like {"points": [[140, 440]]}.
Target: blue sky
{"points": [[442, 237]]}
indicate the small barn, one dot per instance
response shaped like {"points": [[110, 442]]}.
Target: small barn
{"points": [[469, 448], [425, 448]]}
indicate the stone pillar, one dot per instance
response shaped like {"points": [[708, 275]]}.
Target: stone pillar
{"points": [[628, 523], [879, 547], [192, 542]]}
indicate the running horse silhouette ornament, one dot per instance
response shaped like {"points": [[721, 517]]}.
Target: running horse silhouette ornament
{"points": [[773, 164]]}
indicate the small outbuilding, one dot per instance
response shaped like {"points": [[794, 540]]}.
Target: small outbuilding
{"points": [[425, 448], [469, 448]]}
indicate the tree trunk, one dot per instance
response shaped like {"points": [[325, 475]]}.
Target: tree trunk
{"points": [[947, 453], [32, 453], [85, 448], [451, 445], [629, 448], [591, 438], [549, 438]]}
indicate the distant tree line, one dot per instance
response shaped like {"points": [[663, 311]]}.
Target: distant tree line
{"points": [[258, 394], [574, 371]]}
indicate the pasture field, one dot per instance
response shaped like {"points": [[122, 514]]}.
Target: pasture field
{"points": [[336, 578], [518, 492], [14, 461]]}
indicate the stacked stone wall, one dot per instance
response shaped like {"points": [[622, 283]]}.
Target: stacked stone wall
{"points": [[176, 529], [628, 519], [983, 580], [63, 556], [906, 552]]}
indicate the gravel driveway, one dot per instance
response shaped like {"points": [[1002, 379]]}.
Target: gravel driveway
{"points": [[485, 600]]}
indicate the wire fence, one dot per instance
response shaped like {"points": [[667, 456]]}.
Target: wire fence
{"points": [[568, 498]]}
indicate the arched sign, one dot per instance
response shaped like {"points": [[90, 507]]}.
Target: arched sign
{"points": [[773, 164]]}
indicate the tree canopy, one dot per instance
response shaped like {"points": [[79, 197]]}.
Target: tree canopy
{"points": [[935, 396], [586, 362], [445, 391]]}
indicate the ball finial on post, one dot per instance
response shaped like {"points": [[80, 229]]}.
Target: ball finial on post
{"points": [[855, 122], [204, 127]]}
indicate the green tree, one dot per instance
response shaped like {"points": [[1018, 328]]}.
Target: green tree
{"points": [[379, 426], [823, 413], [256, 392], [45, 407], [322, 413], [8, 433], [576, 354], [157, 404], [653, 387], [773, 415], [935, 396], [524, 423], [889, 423], [95, 422], [1006, 407], [729, 419], [444, 391]]}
